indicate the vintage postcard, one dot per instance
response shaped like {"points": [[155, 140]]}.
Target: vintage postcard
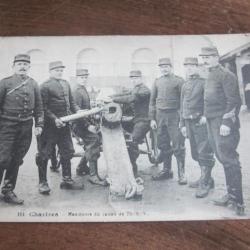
{"points": [[124, 128]]}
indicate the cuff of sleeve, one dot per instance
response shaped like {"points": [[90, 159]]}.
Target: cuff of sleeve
{"points": [[182, 123], [228, 122]]}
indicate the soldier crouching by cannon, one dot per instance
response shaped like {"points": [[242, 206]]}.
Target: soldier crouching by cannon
{"points": [[139, 97], [87, 131], [57, 101]]}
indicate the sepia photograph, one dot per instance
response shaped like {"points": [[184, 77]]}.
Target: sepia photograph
{"points": [[124, 128]]}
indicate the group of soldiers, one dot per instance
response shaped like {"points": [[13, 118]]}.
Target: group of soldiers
{"points": [[203, 110]]}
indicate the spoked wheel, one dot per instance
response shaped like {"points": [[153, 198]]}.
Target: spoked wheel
{"points": [[151, 142]]}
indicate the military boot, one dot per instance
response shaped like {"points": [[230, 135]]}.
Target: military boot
{"points": [[161, 157], [224, 201], [181, 172], [1, 175], [82, 168], [42, 172], [10, 197], [240, 210], [194, 184], [55, 164], [166, 172], [68, 183], [206, 182], [234, 188], [135, 169], [94, 178], [44, 188]]}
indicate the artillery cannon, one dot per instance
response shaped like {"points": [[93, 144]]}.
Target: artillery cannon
{"points": [[120, 174]]}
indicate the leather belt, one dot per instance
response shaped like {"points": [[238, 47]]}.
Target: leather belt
{"points": [[17, 115]]}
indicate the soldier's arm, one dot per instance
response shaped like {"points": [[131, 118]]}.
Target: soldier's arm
{"points": [[78, 98], [45, 100], [73, 107], [78, 101], [180, 84], [142, 93], [2, 92], [38, 109], [152, 103], [125, 98], [233, 100], [182, 122]]}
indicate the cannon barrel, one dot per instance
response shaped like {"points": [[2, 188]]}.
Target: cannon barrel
{"points": [[81, 114]]}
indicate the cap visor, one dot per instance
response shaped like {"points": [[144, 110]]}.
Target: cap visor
{"points": [[57, 67]]}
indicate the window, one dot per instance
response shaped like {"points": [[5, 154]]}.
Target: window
{"points": [[39, 65], [89, 59], [145, 60]]}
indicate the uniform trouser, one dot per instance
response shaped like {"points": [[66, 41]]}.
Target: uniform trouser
{"points": [[91, 144], [138, 132], [53, 158], [225, 149], [201, 150], [15, 140], [50, 137], [169, 138]]}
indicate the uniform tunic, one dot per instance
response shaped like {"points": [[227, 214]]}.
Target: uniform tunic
{"points": [[139, 97], [20, 101], [80, 127], [58, 101], [192, 105], [164, 108], [221, 107]]}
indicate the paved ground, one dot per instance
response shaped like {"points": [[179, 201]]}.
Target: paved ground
{"points": [[164, 200]]}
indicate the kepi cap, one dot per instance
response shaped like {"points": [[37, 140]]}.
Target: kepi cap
{"points": [[135, 73], [22, 58], [164, 61], [55, 65], [209, 51], [190, 60], [82, 72]]}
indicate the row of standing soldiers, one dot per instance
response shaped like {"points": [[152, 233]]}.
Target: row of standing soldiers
{"points": [[205, 111]]}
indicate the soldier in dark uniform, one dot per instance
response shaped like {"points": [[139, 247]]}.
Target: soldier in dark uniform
{"points": [[86, 130], [193, 126], [20, 101], [221, 108], [164, 115], [139, 96], [57, 102]]}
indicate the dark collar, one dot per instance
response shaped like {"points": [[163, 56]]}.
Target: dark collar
{"points": [[217, 67], [195, 76], [20, 77]]}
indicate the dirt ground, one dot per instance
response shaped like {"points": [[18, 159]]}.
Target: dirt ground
{"points": [[163, 200]]}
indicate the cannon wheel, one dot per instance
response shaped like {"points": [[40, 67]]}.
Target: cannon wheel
{"points": [[151, 142]]}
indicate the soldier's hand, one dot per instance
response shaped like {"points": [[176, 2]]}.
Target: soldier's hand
{"points": [[108, 99], [81, 110], [224, 130], [184, 131], [92, 129], [203, 120], [153, 124], [38, 131], [59, 123]]}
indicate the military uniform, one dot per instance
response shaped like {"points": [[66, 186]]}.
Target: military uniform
{"points": [[164, 108], [139, 96], [58, 101], [20, 101], [91, 141], [191, 112], [221, 107], [192, 106]]}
